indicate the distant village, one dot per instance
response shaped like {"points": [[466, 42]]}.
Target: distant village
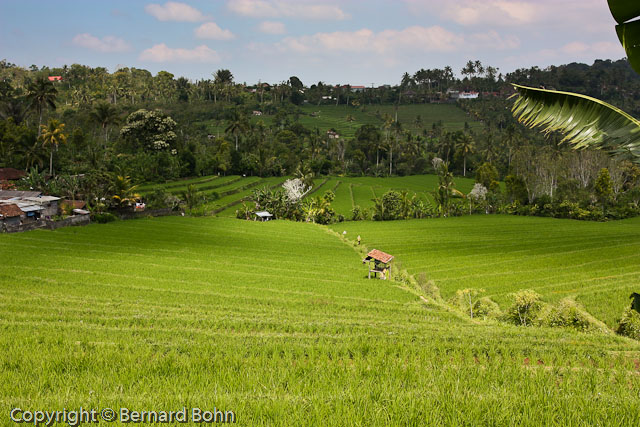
{"points": [[28, 210]]}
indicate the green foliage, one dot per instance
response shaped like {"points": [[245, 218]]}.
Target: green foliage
{"points": [[485, 308], [486, 175], [428, 286], [525, 308], [629, 325], [192, 197], [151, 130], [585, 121], [357, 214], [103, 218], [603, 187], [467, 300], [566, 314]]}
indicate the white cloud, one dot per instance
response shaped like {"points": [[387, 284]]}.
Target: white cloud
{"points": [[271, 27], [491, 39], [163, 53], [106, 44], [391, 42], [174, 11], [211, 30], [496, 12], [287, 9]]}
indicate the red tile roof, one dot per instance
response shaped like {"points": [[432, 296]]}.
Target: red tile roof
{"points": [[7, 174], [9, 211], [380, 256]]}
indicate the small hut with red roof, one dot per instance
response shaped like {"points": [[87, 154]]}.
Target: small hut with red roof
{"points": [[379, 262]]}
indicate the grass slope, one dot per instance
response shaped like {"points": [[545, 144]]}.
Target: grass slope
{"points": [[277, 322], [597, 263]]}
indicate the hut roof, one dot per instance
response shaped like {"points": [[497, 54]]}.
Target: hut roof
{"points": [[264, 214], [379, 256], [10, 211]]}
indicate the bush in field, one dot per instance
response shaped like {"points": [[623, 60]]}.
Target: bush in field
{"points": [[566, 314], [318, 209], [466, 299], [525, 309], [487, 175], [516, 189], [357, 213], [428, 286], [388, 207], [486, 308], [160, 198], [245, 212], [103, 218], [629, 324]]}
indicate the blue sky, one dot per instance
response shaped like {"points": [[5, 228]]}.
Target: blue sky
{"points": [[360, 42]]}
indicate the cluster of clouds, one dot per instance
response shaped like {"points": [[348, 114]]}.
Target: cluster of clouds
{"points": [[473, 25]]}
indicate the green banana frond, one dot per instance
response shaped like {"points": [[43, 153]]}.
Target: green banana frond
{"points": [[626, 12], [584, 121]]}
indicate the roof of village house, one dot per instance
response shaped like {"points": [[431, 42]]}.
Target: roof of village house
{"points": [[10, 174], [41, 199], [9, 211], [10, 194], [379, 256]]}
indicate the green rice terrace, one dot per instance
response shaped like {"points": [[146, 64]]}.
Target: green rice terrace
{"points": [[346, 119], [277, 321], [349, 191]]}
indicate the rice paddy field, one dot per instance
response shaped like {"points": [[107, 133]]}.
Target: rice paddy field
{"points": [[594, 263], [360, 191], [277, 322], [325, 117]]}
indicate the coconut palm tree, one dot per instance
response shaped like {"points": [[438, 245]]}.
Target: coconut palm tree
{"points": [[238, 125], [466, 146], [584, 121], [52, 135], [41, 95], [105, 115]]}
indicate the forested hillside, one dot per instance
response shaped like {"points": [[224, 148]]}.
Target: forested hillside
{"points": [[81, 121]]}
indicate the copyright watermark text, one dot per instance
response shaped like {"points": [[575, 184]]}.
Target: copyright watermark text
{"points": [[81, 416]]}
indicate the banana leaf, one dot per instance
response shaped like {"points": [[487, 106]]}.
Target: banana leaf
{"points": [[628, 30], [624, 10], [584, 121]]}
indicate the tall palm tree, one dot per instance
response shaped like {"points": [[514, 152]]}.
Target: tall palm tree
{"points": [[586, 121], [52, 135], [105, 115], [466, 146], [41, 95], [238, 124]]}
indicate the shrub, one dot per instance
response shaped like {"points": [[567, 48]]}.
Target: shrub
{"points": [[428, 286], [526, 307], [466, 299], [103, 218], [629, 325], [486, 308], [357, 214], [566, 314]]}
